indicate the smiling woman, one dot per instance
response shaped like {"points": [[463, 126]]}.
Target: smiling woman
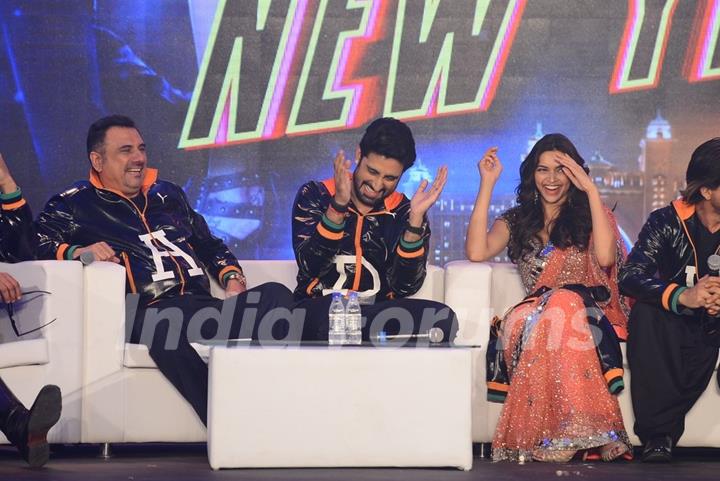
{"points": [[550, 179], [558, 398]]}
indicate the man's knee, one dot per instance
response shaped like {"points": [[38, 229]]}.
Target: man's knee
{"points": [[648, 317], [161, 328], [275, 293], [643, 310], [437, 314], [275, 288]]}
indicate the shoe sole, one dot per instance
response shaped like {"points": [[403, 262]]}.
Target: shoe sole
{"points": [[657, 458], [45, 412]]}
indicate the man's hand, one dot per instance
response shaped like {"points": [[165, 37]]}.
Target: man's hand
{"points": [[7, 183], [343, 180], [424, 199], [705, 294], [101, 251], [712, 302], [9, 288], [234, 287]]}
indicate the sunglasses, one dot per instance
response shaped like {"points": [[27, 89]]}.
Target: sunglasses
{"points": [[27, 297]]}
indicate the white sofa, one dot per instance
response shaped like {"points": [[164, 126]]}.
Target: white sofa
{"points": [[126, 398], [112, 391], [53, 354], [466, 294]]}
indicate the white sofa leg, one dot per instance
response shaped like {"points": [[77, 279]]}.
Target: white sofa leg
{"points": [[105, 452], [485, 451]]}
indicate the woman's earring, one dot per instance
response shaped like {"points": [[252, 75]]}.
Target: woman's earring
{"points": [[535, 197]]}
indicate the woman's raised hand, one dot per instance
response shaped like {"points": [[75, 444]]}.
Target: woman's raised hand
{"points": [[575, 172], [490, 166]]}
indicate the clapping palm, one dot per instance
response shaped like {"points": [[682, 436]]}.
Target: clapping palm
{"points": [[424, 197]]}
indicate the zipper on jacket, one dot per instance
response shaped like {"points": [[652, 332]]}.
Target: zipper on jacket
{"points": [[141, 214]]}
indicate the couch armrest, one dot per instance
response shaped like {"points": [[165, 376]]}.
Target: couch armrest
{"points": [[507, 289], [433, 289], [63, 339], [467, 292], [30, 312], [64, 281]]}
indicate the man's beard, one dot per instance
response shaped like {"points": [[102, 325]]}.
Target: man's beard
{"points": [[367, 201]]}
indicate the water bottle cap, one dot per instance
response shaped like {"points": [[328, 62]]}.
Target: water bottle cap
{"points": [[336, 294], [352, 294]]}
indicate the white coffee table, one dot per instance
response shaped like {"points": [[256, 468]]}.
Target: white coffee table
{"points": [[337, 406]]}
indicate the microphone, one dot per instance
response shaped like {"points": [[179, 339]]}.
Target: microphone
{"points": [[710, 324], [434, 335], [88, 258], [713, 263]]}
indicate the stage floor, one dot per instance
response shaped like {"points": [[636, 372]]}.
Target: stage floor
{"points": [[189, 462]]}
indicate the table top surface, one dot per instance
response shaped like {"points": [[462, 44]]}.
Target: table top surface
{"points": [[406, 344]]}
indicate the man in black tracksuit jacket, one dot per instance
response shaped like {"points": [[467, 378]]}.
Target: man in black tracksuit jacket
{"points": [[672, 337], [355, 232], [123, 214], [25, 428]]}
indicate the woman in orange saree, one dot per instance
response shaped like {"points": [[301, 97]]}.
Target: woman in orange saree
{"points": [[559, 347]]}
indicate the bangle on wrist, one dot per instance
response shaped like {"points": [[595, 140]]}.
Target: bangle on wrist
{"points": [[235, 275], [337, 207]]}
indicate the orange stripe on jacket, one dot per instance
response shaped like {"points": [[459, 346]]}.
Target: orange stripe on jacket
{"points": [[225, 270], [358, 253], [496, 386], [60, 254], [666, 295], [613, 373], [14, 205], [410, 255], [312, 285], [150, 178], [328, 234], [129, 273]]}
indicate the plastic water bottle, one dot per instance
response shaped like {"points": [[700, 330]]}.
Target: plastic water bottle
{"points": [[353, 319], [336, 315]]}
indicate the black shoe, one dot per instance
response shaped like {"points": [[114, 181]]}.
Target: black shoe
{"points": [[27, 430], [657, 450]]}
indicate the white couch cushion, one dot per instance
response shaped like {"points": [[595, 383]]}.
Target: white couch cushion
{"points": [[30, 312], [138, 355], [24, 353]]}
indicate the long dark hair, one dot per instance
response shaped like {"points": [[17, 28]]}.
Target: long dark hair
{"points": [[573, 224], [702, 171]]}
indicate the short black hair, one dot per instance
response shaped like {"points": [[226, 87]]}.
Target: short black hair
{"points": [[97, 131], [703, 171], [389, 137]]}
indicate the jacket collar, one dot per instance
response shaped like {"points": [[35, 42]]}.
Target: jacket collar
{"points": [[391, 201], [683, 209], [150, 178]]}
